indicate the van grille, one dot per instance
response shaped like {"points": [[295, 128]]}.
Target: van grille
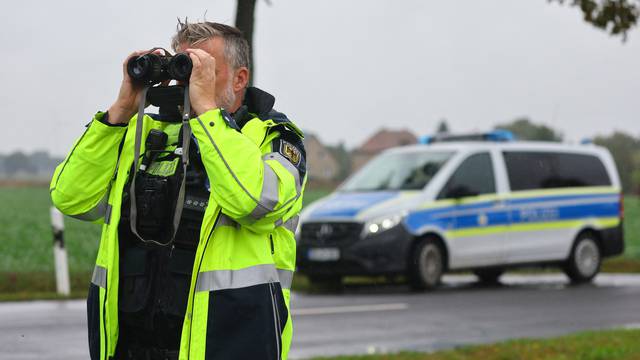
{"points": [[330, 233]]}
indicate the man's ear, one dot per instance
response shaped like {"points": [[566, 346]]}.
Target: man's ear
{"points": [[241, 79]]}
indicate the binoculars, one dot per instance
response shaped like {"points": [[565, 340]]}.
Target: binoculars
{"points": [[152, 68]]}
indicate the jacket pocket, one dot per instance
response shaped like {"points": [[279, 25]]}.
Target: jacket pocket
{"points": [[177, 288], [245, 323], [135, 280], [93, 321]]}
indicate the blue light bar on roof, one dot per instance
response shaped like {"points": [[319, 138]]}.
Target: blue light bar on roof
{"points": [[500, 135], [497, 135], [426, 140]]}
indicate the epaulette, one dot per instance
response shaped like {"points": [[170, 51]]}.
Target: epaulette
{"points": [[282, 119], [289, 141]]}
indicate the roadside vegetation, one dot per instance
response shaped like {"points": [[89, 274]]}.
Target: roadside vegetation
{"points": [[26, 245], [593, 345], [26, 253]]}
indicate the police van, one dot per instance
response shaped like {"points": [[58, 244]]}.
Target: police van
{"points": [[483, 203]]}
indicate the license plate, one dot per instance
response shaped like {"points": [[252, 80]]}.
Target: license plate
{"points": [[324, 254]]}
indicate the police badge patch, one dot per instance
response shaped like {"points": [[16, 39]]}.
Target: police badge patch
{"points": [[290, 152]]}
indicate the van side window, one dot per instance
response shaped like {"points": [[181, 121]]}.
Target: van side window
{"points": [[473, 177], [547, 170]]}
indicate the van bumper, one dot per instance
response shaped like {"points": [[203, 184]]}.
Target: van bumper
{"points": [[612, 240], [380, 254]]}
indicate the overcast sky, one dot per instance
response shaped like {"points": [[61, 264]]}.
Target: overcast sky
{"points": [[340, 69]]}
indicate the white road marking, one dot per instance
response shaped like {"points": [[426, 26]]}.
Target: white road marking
{"points": [[555, 279], [349, 309]]}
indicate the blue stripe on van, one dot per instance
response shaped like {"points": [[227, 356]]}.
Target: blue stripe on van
{"points": [[614, 197], [348, 205], [514, 211], [499, 217], [541, 214]]}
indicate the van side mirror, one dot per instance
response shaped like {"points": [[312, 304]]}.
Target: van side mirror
{"points": [[459, 191]]}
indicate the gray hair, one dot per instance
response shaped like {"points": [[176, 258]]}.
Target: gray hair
{"points": [[236, 47]]}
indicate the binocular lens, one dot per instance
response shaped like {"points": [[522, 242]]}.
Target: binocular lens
{"points": [[180, 67], [146, 68], [152, 69], [138, 67]]}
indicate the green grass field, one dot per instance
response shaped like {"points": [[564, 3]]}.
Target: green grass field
{"points": [[592, 345], [25, 233], [26, 238], [26, 252], [26, 258]]}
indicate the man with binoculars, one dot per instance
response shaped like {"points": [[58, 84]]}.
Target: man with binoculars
{"points": [[199, 205]]}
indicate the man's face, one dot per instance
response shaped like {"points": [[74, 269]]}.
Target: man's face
{"points": [[225, 94]]}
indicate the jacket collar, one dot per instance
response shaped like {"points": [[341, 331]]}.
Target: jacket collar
{"points": [[257, 102]]}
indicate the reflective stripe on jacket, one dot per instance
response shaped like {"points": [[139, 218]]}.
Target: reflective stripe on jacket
{"points": [[239, 296]]}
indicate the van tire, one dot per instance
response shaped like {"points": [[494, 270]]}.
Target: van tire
{"points": [[585, 259], [489, 276], [426, 265]]}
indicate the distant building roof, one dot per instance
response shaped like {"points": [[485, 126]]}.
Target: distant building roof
{"points": [[386, 138], [321, 164]]}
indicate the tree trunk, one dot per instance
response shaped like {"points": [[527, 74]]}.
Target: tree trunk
{"points": [[244, 21]]}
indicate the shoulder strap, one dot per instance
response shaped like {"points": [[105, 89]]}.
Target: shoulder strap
{"points": [[186, 140]]}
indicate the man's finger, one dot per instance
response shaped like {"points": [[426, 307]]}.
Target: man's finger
{"points": [[208, 62], [132, 55], [195, 60], [201, 54], [135, 53]]}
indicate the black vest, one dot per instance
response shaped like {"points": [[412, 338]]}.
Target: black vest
{"points": [[155, 280]]}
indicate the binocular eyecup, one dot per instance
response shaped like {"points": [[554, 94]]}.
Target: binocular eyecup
{"points": [[150, 69]]}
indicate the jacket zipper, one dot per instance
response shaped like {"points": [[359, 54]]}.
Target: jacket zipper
{"points": [[113, 180], [273, 251], [276, 319], [104, 321], [215, 223]]}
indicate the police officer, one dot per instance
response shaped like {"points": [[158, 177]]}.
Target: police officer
{"points": [[216, 286]]}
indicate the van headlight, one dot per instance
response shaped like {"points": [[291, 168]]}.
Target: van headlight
{"points": [[382, 224]]}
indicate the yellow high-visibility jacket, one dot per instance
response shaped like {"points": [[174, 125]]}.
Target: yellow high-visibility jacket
{"points": [[238, 305]]}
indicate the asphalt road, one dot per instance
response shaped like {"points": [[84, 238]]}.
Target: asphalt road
{"points": [[368, 319]]}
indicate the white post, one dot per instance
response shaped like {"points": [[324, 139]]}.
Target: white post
{"points": [[60, 253]]}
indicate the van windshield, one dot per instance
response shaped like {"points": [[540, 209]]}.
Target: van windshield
{"points": [[398, 171]]}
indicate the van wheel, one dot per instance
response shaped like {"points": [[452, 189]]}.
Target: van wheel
{"points": [[584, 262], [426, 265], [489, 276]]}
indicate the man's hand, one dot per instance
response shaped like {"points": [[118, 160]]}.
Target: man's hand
{"points": [[126, 105], [202, 84]]}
